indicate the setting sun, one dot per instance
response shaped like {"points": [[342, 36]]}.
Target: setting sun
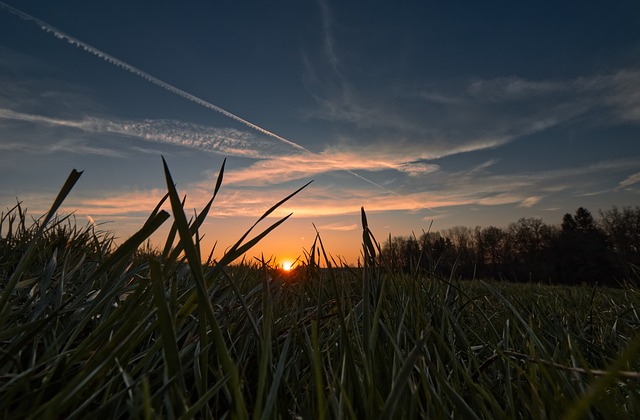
{"points": [[287, 265]]}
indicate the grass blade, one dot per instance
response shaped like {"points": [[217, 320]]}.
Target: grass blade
{"points": [[203, 297]]}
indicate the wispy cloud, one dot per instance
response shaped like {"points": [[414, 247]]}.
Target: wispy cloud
{"points": [[227, 141], [514, 88], [617, 90], [476, 186], [622, 91], [68, 145], [287, 168], [338, 227], [327, 33], [630, 180], [440, 98], [529, 188], [530, 201], [479, 114], [439, 122]]}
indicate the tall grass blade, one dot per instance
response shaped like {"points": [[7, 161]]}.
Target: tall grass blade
{"points": [[165, 324], [203, 297], [401, 379], [277, 378]]}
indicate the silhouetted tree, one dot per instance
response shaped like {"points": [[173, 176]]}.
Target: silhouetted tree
{"points": [[622, 228], [526, 237], [411, 254], [393, 253], [462, 250], [530, 239], [582, 251], [401, 254], [492, 244]]}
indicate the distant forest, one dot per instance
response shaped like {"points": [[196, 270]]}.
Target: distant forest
{"points": [[581, 250]]}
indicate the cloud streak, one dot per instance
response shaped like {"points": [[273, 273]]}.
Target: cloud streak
{"points": [[480, 114], [285, 168], [470, 187], [142, 74], [630, 180], [619, 91], [65, 145], [226, 141], [328, 35]]}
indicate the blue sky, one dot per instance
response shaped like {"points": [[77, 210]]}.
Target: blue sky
{"points": [[460, 113]]}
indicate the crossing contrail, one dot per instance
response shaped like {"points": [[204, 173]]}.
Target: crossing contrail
{"points": [[175, 90], [146, 76]]}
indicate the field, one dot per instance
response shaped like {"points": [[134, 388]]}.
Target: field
{"points": [[88, 328]]}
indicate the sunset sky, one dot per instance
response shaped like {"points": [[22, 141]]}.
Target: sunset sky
{"points": [[461, 113]]}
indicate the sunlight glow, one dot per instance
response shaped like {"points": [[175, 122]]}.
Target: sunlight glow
{"points": [[287, 265]]}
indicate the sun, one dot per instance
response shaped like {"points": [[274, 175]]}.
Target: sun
{"points": [[287, 265]]}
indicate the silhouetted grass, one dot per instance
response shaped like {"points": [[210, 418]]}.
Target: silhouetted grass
{"points": [[88, 328]]}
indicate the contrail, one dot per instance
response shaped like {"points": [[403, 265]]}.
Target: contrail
{"points": [[146, 76], [391, 191], [177, 91]]}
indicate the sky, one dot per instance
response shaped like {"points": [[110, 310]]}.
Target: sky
{"points": [[425, 113]]}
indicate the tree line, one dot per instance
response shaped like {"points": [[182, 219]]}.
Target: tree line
{"points": [[580, 250]]}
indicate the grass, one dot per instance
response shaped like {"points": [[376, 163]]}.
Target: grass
{"points": [[88, 328]]}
